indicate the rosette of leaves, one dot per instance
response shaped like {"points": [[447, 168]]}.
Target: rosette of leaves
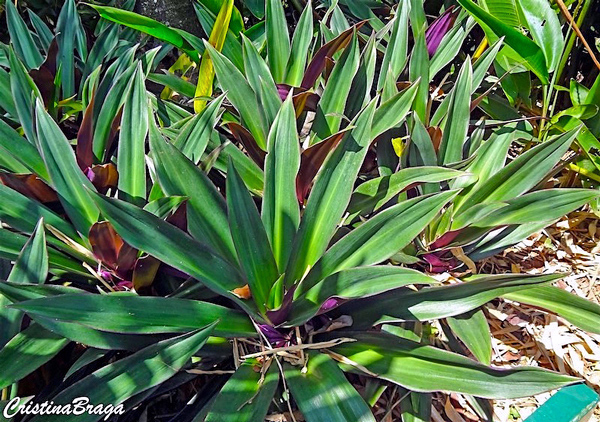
{"points": [[254, 267]]}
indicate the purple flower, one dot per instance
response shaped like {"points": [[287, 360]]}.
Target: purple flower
{"points": [[438, 29]]}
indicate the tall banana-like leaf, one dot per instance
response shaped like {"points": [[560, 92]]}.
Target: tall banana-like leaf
{"points": [[184, 41], [425, 368], [66, 176], [206, 73], [545, 28], [522, 45], [329, 197], [134, 374], [132, 141], [280, 210], [246, 396], [250, 239], [322, 392]]}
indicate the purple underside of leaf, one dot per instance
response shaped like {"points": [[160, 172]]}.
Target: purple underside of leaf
{"points": [[445, 239], [438, 29], [436, 264]]}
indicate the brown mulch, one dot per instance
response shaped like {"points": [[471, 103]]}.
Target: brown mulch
{"points": [[527, 336]]}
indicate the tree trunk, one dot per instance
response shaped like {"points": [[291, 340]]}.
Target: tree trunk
{"points": [[176, 13]]}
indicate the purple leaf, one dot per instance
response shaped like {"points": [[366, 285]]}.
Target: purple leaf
{"points": [[438, 29]]}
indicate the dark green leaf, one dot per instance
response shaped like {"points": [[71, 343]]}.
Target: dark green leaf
{"points": [[323, 393]]}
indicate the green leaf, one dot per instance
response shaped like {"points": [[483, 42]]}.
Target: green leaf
{"points": [[178, 38], [473, 329], [330, 197], [131, 314], [323, 393], [41, 29], [236, 25], [21, 38], [65, 174], [522, 174], [195, 135], [353, 283], [545, 28], [525, 47], [333, 100], [15, 146], [396, 52], [278, 39], [27, 351], [543, 205], [375, 193], [22, 213], [24, 92], [131, 153], [32, 264], [7, 102], [173, 82], [392, 112], [583, 313], [69, 31], [405, 362], [419, 69], [280, 210], [250, 239], [260, 79], [246, 396], [303, 36], [146, 232], [379, 238], [457, 123], [11, 244], [134, 374], [206, 208], [444, 301], [241, 95]]}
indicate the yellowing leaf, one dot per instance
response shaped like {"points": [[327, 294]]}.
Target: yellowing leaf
{"points": [[207, 72]]}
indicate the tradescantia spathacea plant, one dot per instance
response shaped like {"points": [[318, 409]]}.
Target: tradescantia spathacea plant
{"points": [[265, 253]]}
